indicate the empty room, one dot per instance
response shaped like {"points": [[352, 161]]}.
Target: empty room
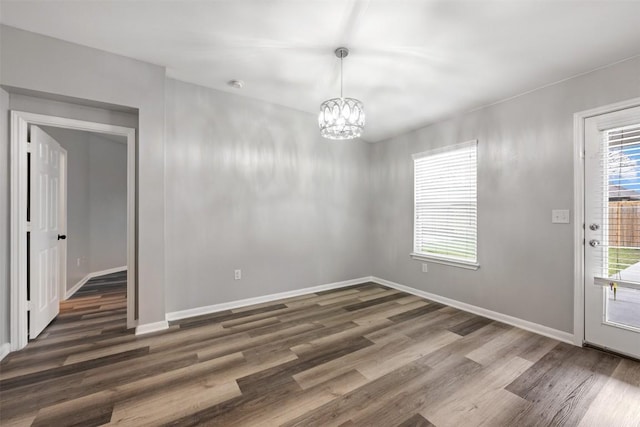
{"points": [[320, 213]]}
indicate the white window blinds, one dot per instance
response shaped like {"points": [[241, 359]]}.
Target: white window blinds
{"points": [[619, 194], [445, 195]]}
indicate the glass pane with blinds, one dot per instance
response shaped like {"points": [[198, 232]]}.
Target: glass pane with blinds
{"points": [[445, 190], [620, 203], [619, 259]]}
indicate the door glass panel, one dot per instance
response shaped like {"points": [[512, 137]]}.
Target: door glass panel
{"points": [[623, 231], [623, 201], [624, 308]]}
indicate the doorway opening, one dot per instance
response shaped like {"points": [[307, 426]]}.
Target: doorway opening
{"points": [[39, 244]]}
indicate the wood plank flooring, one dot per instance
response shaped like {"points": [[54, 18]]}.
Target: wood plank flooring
{"points": [[359, 356]]}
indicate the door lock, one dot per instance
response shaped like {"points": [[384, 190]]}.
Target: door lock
{"points": [[594, 243], [594, 227]]}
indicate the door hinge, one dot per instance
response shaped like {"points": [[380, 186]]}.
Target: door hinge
{"points": [[28, 305], [28, 226], [28, 147]]}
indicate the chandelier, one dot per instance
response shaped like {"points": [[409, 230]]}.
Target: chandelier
{"points": [[341, 118]]}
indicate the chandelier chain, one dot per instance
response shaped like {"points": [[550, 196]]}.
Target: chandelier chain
{"points": [[341, 74]]}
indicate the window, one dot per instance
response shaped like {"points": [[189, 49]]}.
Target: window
{"points": [[445, 205]]}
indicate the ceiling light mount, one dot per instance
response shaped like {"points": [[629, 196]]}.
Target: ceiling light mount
{"points": [[342, 52], [341, 118]]}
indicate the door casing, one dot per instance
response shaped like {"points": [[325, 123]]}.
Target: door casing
{"points": [[578, 209], [20, 122]]}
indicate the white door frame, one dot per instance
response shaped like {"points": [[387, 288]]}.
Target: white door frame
{"points": [[578, 209], [20, 122]]}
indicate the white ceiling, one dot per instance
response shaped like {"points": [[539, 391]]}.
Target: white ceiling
{"points": [[411, 62]]}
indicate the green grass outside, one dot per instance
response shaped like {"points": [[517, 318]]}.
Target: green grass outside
{"points": [[623, 256]]}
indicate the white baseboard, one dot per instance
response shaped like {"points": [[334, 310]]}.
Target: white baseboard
{"points": [[192, 312], [152, 327], [90, 276], [4, 350], [504, 318]]}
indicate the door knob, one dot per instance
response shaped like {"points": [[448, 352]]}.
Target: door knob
{"points": [[62, 236], [594, 243], [594, 227]]}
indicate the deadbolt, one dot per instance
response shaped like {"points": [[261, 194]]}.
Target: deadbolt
{"points": [[594, 227]]}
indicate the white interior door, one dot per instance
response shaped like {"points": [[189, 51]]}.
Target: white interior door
{"points": [[46, 234], [612, 231]]}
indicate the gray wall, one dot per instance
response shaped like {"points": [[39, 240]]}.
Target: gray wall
{"points": [[525, 161], [96, 202], [253, 186], [4, 217], [107, 203], [33, 62]]}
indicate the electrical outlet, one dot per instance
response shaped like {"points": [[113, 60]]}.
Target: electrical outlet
{"points": [[424, 268], [238, 275]]}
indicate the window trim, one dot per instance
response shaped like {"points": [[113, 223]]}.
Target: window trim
{"points": [[450, 261], [469, 265]]}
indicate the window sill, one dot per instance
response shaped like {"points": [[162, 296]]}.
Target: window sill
{"points": [[446, 261]]}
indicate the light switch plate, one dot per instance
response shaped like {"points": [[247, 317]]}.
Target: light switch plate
{"points": [[560, 216]]}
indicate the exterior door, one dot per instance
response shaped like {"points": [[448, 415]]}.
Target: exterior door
{"points": [[45, 236], [612, 231]]}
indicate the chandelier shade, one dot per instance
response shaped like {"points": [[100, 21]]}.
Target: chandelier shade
{"points": [[341, 118]]}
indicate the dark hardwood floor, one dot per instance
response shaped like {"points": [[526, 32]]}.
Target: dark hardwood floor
{"points": [[359, 356]]}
